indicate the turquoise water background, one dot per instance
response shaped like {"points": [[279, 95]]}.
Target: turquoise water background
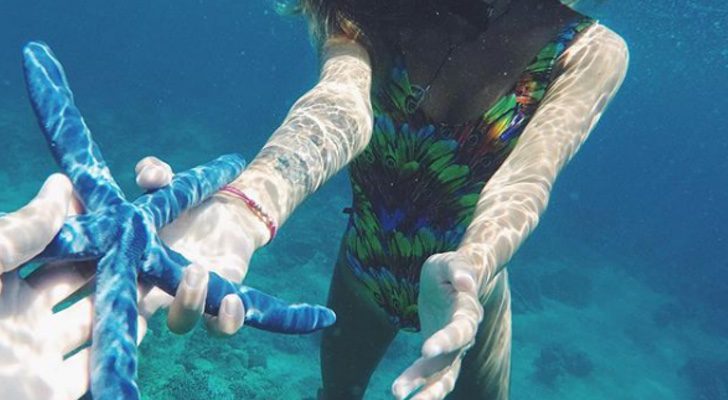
{"points": [[621, 293]]}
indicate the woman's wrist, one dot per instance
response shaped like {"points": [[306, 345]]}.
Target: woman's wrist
{"points": [[253, 196], [255, 228], [255, 207], [480, 257]]}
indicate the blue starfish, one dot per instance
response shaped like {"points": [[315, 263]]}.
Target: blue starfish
{"points": [[122, 235]]}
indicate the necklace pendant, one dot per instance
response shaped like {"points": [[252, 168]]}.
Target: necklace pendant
{"points": [[415, 98]]}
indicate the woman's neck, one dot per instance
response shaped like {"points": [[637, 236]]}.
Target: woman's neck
{"points": [[466, 69]]}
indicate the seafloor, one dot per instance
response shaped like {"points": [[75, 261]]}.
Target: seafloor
{"points": [[584, 326], [583, 329], [614, 303]]}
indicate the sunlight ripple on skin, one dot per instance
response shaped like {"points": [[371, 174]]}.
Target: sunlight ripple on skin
{"points": [[510, 204], [323, 131], [592, 69], [512, 201], [21, 230], [122, 235], [332, 123]]}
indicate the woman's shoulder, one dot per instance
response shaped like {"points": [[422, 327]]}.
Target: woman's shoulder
{"points": [[598, 44], [592, 70]]}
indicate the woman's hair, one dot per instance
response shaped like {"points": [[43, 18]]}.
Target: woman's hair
{"points": [[326, 17], [336, 17]]}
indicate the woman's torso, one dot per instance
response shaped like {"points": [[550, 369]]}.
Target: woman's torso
{"points": [[446, 116]]}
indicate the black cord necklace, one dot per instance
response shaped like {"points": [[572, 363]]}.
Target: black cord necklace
{"points": [[419, 92], [489, 11]]}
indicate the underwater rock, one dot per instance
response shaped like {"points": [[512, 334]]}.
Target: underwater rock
{"points": [[578, 364], [548, 366], [556, 360], [708, 378]]}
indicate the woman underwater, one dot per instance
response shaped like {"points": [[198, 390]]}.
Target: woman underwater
{"points": [[455, 118]]}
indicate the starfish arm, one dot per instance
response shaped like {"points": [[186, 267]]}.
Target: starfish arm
{"points": [[267, 312], [190, 188], [65, 130], [263, 311], [75, 241], [114, 351]]}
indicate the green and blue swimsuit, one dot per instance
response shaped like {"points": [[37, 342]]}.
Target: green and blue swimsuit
{"points": [[416, 185]]}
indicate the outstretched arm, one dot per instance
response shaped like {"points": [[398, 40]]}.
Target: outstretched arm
{"points": [[323, 131], [510, 204], [509, 207]]}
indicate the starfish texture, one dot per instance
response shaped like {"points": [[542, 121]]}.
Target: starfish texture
{"points": [[122, 235]]}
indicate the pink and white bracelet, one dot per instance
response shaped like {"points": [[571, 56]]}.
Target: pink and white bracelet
{"points": [[254, 207]]}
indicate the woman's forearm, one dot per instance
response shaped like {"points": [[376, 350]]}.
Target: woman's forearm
{"points": [[323, 131], [512, 201]]}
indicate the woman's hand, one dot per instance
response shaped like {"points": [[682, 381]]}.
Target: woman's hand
{"points": [[34, 339], [26, 232], [450, 313], [220, 235]]}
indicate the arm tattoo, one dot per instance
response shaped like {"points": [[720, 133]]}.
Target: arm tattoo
{"points": [[324, 130]]}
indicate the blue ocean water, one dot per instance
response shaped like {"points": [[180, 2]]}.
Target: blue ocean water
{"points": [[621, 293]]}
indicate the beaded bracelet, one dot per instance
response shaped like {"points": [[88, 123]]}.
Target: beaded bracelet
{"points": [[254, 207]]}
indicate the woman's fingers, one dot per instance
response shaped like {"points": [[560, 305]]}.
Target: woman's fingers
{"points": [[455, 336], [232, 311], [421, 373], [411, 379], [230, 318], [149, 161], [73, 325], [26, 232], [75, 207], [456, 283], [460, 332], [58, 281], [189, 301], [141, 329], [189, 304], [152, 173], [74, 374], [462, 275], [454, 269], [441, 386]]}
